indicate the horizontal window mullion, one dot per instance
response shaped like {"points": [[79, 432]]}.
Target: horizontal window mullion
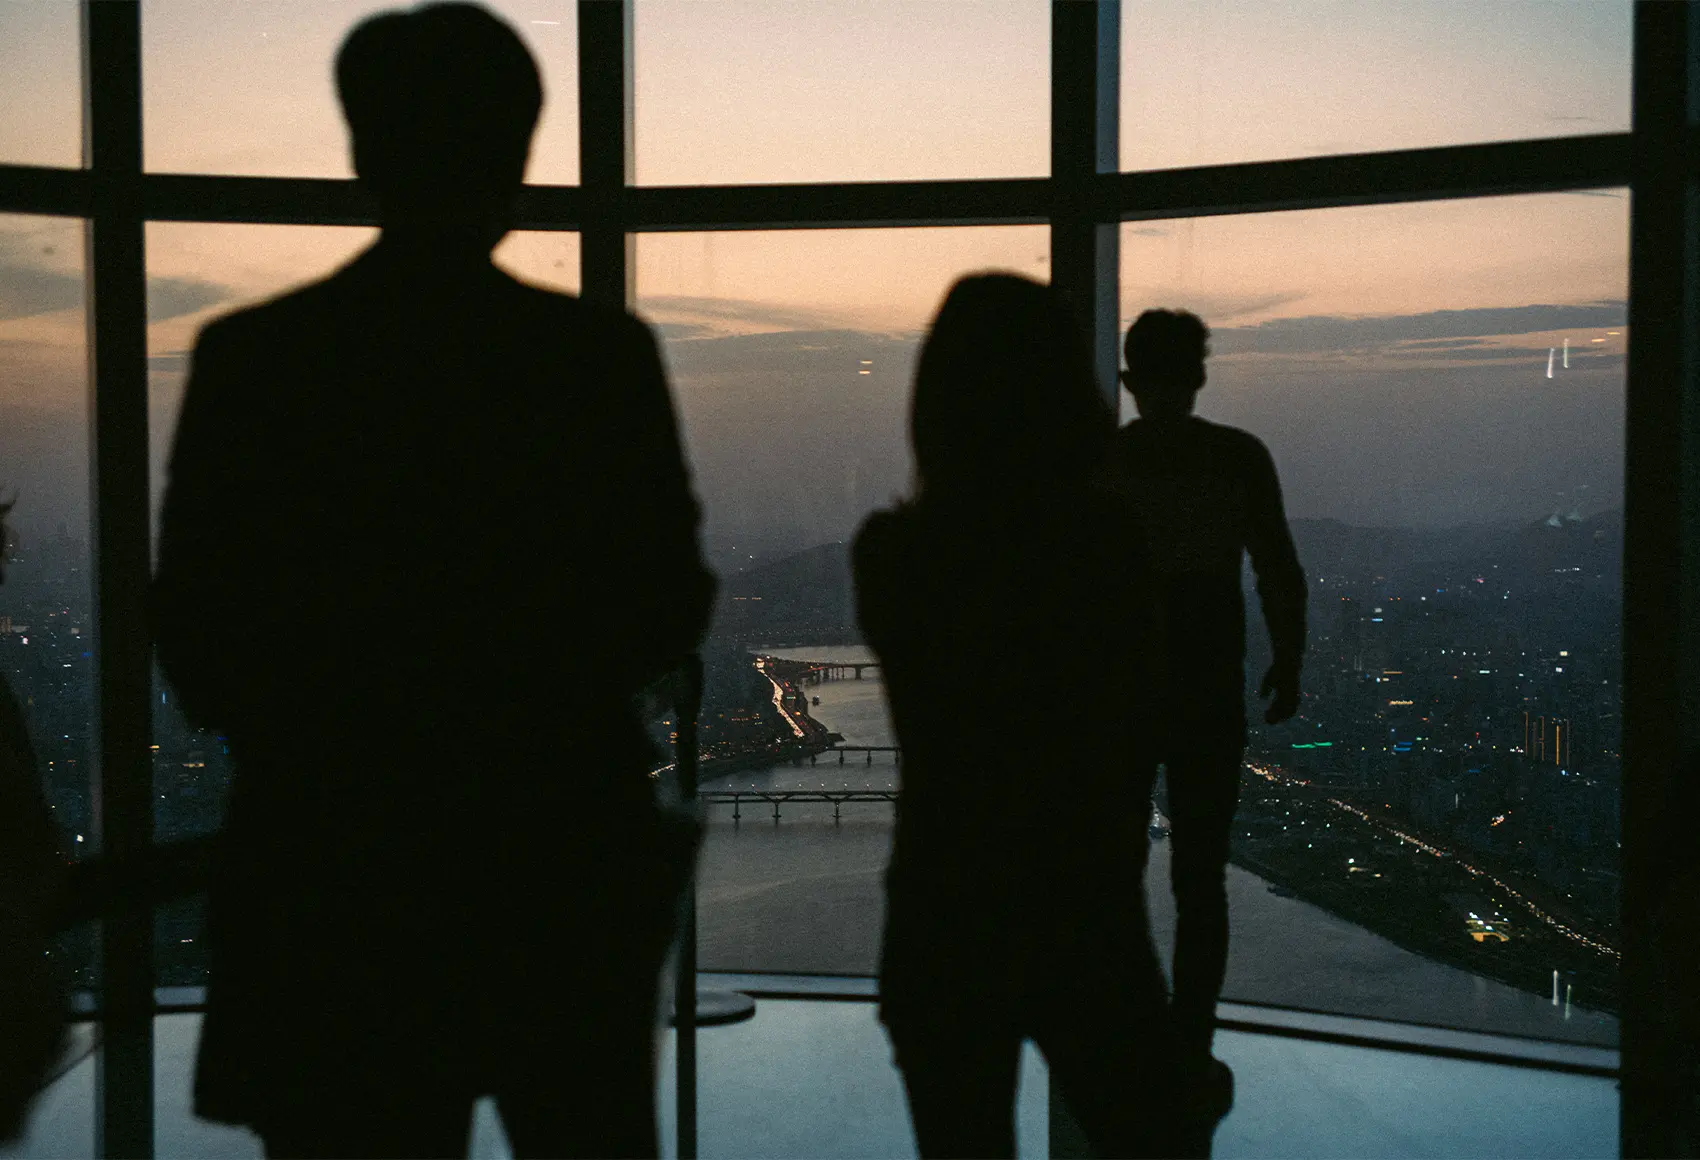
{"points": [[1014, 201], [277, 200], [1309, 183], [1544, 166], [38, 189]]}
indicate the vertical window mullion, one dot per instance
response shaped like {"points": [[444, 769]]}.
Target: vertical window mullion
{"points": [[1085, 88], [606, 250], [605, 147], [1085, 135], [117, 313], [1661, 580]]}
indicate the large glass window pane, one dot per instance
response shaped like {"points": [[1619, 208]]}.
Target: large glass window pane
{"points": [[247, 88], [791, 355], [1209, 82], [46, 606], [1435, 837], [883, 90], [41, 83]]}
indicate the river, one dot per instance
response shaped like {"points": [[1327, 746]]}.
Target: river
{"points": [[804, 894]]}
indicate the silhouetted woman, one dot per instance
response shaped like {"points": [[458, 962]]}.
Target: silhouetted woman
{"points": [[1005, 603]]}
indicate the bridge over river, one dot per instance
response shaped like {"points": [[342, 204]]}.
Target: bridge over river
{"points": [[837, 798], [816, 671], [896, 752]]}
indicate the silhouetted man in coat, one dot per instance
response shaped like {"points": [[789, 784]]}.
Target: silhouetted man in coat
{"points": [[427, 532], [1207, 494]]}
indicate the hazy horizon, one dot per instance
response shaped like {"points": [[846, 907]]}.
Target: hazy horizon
{"points": [[1394, 358]]}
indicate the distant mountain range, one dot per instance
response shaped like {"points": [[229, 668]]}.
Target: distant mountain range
{"points": [[1594, 543], [807, 597]]}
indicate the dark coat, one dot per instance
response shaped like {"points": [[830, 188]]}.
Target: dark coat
{"points": [[1016, 876], [426, 533]]}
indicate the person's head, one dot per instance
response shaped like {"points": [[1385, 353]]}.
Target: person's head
{"points": [[441, 101], [1004, 394], [1165, 352]]}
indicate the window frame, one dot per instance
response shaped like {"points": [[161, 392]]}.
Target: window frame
{"points": [[1083, 200]]}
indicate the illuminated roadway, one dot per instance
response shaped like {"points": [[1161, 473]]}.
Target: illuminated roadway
{"points": [[779, 700], [1531, 907]]}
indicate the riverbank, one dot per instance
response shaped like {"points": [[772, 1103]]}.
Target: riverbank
{"points": [[1414, 894], [805, 894]]}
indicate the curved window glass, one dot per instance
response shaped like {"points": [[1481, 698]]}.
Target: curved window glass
{"points": [[1436, 836]]}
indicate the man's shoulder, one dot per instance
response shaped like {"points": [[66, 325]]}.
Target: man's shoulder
{"points": [[571, 313], [884, 533], [1233, 438], [284, 313], [1224, 436], [1192, 432]]}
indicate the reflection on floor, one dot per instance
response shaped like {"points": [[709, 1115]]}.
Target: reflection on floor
{"points": [[813, 1077]]}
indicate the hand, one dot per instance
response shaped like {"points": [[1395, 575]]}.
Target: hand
{"points": [[1284, 685]]}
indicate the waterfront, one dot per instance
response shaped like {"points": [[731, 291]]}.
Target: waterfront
{"points": [[804, 894]]}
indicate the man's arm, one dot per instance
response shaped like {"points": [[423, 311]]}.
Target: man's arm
{"points": [[1280, 583]]}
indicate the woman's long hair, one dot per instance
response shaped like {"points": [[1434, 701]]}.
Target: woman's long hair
{"points": [[1005, 399]]}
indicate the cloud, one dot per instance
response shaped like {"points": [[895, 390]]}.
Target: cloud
{"points": [[789, 352], [1443, 344], [39, 275], [1318, 333], [1211, 307], [175, 297], [27, 290], [695, 311], [1578, 358]]}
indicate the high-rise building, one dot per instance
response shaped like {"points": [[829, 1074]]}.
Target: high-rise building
{"points": [[1547, 740]]}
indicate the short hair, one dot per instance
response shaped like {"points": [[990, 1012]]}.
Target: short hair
{"points": [[1167, 346], [1005, 391], [441, 94]]}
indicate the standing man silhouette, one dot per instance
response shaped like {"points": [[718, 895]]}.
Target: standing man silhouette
{"points": [[1207, 494], [428, 531]]}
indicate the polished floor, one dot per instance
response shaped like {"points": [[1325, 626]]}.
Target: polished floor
{"points": [[812, 1077]]}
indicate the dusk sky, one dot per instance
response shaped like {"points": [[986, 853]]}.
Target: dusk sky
{"points": [[1394, 357]]}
